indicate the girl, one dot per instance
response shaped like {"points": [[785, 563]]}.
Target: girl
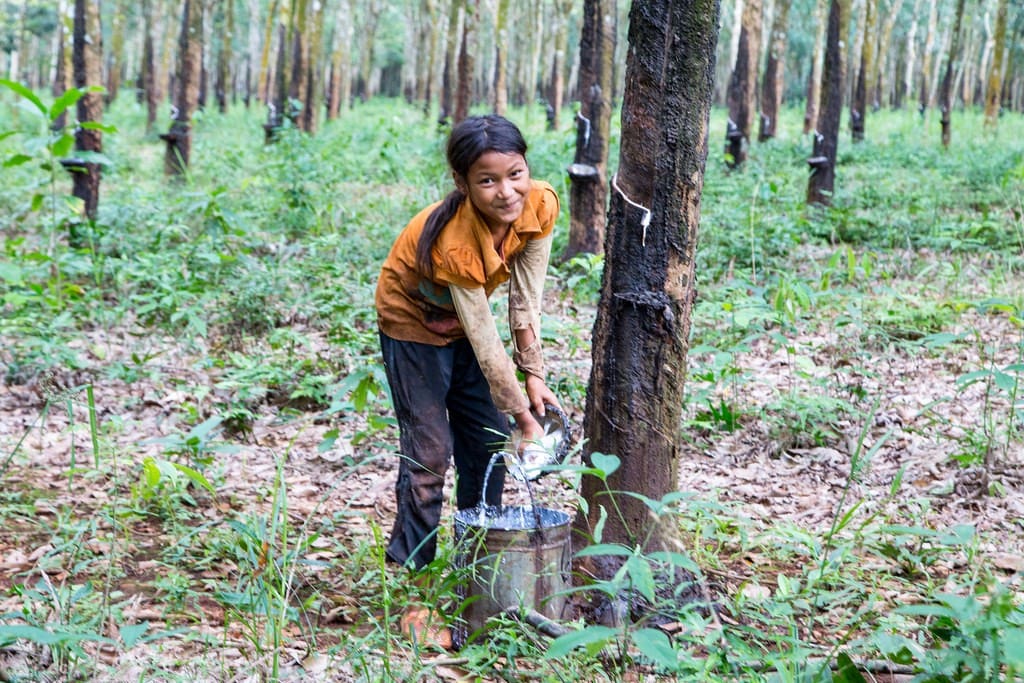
{"points": [[452, 382]]}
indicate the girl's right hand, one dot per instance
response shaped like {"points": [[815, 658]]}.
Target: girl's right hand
{"points": [[528, 427]]}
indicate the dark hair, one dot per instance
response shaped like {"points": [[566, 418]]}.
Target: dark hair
{"points": [[469, 140]]}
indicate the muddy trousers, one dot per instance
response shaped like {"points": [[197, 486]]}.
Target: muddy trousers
{"points": [[444, 410]]}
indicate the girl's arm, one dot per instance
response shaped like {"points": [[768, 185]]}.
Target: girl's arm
{"points": [[526, 291], [475, 315]]}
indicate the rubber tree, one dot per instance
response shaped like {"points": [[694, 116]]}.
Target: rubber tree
{"points": [[742, 92], [466, 63], [640, 336], [821, 182], [994, 83], [946, 89], [814, 74], [87, 64], [864, 86], [588, 191], [186, 97], [773, 84]]}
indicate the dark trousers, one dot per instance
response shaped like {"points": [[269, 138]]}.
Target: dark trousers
{"points": [[444, 409]]}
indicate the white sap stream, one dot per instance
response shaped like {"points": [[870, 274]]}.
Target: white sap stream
{"points": [[509, 518]]}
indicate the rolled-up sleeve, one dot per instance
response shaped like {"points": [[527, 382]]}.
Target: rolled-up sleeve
{"points": [[475, 315], [526, 291]]}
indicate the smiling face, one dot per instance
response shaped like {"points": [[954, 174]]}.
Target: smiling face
{"points": [[497, 183]]}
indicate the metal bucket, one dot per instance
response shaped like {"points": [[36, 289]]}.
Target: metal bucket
{"points": [[512, 556]]}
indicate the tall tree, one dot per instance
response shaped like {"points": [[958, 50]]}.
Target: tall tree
{"points": [[186, 98], [562, 9], [368, 35], [925, 94], [501, 58], [341, 62], [826, 140], [774, 72], [634, 399], [298, 61], [87, 59], [147, 72], [946, 91], [451, 52], [994, 83], [859, 106], [466, 61], [742, 94], [115, 55], [311, 105], [588, 193], [64, 73], [814, 75], [222, 83]]}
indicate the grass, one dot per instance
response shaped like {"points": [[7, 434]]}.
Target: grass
{"points": [[215, 336]]}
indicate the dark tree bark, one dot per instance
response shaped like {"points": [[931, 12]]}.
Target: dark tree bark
{"points": [[87, 60], [742, 93], [774, 71], [147, 75], [946, 89], [447, 96], [864, 86], [814, 74], [224, 57], [588, 193], [299, 64], [826, 139], [279, 106], [186, 98], [466, 62], [634, 399]]}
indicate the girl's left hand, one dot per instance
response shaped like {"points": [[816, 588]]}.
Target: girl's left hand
{"points": [[538, 393]]}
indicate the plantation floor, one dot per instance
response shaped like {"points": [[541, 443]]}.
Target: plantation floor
{"points": [[68, 520]]}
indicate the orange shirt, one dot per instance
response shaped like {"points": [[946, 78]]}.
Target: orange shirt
{"points": [[412, 307]]}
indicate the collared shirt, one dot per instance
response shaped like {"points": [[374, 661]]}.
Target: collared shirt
{"points": [[413, 307]]}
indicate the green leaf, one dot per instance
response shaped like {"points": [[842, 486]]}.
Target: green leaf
{"points": [[10, 273], [26, 93], [592, 638], [846, 670], [130, 633], [195, 477], [61, 104], [641, 576], [655, 645], [17, 160], [97, 125], [151, 473], [599, 549], [12, 632], [605, 463], [63, 145]]}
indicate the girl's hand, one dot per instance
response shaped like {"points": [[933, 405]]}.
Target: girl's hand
{"points": [[528, 427], [539, 394]]}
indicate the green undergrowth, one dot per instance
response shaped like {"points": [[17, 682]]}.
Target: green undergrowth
{"points": [[245, 291]]}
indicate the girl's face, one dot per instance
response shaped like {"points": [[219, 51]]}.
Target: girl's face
{"points": [[497, 184]]}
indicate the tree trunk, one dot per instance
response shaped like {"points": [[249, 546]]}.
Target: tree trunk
{"points": [[186, 99], [826, 140], [298, 63], [147, 79], [859, 107], [87, 59], [311, 105], [926, 58], [448, 76], [464, 86], [634, 399], [265, 86], [814, 77], [341, 63], [501, 59], [994, 82], [369, 33], [774, 70], [115, 56], [224, 57], [63, 76], [563, 8], [885, 58], [911, 64], [588, 192], [946, 91], [742, 95]]}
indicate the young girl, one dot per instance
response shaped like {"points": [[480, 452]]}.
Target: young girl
{"points": [[452, 383]]}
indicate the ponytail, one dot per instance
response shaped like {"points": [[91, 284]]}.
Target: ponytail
{"points": [[438, 218]]}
